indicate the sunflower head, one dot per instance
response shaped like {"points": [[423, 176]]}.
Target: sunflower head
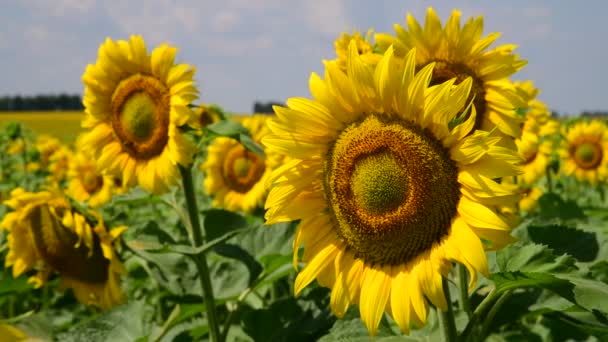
{"points": [[47, 235], [390, 185], [583, 151], [205, 116], [87, 183], [364, 48], [235, 175], [460, 52], [135, 103], [536, 154]]}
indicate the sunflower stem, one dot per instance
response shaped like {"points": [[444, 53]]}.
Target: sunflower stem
{"points": [[465, 304], [447, 318], [480, 310], [485, 328], [549, 181], [200, 259]]}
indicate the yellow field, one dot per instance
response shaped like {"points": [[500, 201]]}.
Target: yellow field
{"points": [[64, 125]]}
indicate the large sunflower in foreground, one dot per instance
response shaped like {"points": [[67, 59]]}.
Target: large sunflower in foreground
{"points": [[47, 235], [389, 193], [87, 183], [135, 103], [584, 150], [460, 52], [235, 175]]}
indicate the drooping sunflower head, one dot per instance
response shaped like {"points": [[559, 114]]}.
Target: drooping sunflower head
{"points": [[47, 235], [389, 185], [87, 183], [58, 164], [134, 104], [236, 175], [364, 48], [460, 52], [584, 150]]}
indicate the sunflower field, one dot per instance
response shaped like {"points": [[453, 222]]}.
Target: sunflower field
{"points": [[418, 193]]}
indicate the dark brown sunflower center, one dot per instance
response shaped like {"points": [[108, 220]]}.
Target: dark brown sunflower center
{"points": [[444, 71], [587, 155], [392, 189], [56, 245], [140, 115], [242, 169], [91, 181]]}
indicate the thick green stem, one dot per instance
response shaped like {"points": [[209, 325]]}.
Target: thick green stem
{"points": [[549, 180], [478, 313], [465, 304], [200, 260], [485, 328], [447, 318]]}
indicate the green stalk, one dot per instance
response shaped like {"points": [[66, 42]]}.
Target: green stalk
{"points": [[200, 259], [465, 304], [481, 309], [485, 328], [549, 182], [447, 318]]}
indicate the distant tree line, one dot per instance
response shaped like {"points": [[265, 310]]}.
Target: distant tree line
{"points": [[40, 103], [265, 107]]}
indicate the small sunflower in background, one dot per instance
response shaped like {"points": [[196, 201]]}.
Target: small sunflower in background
{"points": [[235, 176], [538, 118], [460, 52], [364, 48], [47, 235], [87, 183], [59, 164], [135, 103], [536, 154], [204, 116], [388, 190], [529, 199], [15, 147], [584, 150], [46, 145]]}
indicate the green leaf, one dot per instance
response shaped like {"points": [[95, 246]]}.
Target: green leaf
{"points": [[218, 222], [565, 240], [237, 253], [599, 271], [10, 285], [227, 128], [123, 323], [532, 258], [150, 237], [553, 206], [251, 145]]}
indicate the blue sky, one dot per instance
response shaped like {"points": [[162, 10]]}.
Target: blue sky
{"points": [[246, 50]]}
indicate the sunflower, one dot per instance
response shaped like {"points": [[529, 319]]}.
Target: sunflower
{"points": [[529, 200], [235, 175], [538, 118], [536, 154], [87, 183], [389, 194], [47, 235], [16, 147], [59, 163], [364, 48], [134, 104], [460, 52], [204, 116], [583, 151], [46, 145]]}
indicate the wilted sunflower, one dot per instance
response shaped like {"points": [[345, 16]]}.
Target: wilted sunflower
{"points": [[584, 150], [47, 235], [134, 104], [235, 175], [87, 183], [364, 48], [460, 52], [389, 194], [536, 154]]}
